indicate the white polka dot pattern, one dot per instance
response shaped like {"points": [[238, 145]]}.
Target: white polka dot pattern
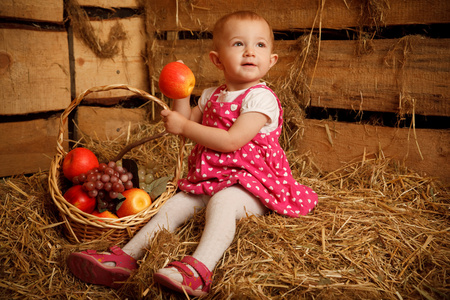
{"points": [[260, 166]]}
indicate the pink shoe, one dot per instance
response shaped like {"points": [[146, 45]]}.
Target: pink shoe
{"points": [[88, 266], [190, 282]]}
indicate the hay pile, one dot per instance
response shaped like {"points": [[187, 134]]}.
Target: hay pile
{"points": [[379, 232]]}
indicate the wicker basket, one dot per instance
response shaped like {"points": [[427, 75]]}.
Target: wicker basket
{"points": [[84, 227]]}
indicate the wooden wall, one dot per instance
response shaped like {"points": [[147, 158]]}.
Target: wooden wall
{"points": [[44, 64], [34, 80], [404, 59]]}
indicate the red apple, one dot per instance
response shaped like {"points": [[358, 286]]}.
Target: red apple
{"points": [[79, 198], [78, 161], [136, 200], [176, 80]]}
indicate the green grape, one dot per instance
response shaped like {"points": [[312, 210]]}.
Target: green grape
{"points": [[149, 178], [142, 178]]}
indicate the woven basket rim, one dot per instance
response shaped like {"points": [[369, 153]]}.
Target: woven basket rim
{"points": [[69, 212]]}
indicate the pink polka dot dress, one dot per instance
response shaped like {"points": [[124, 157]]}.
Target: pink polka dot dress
{"points": [[261, 166]]}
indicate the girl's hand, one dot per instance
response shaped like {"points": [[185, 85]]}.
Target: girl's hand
{"points": [[174, 122]]}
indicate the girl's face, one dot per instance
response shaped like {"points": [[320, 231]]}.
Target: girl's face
{"points": [[244, 53]]}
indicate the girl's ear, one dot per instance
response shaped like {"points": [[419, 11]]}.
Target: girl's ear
{"points": [[214, 57], [273, 59]]}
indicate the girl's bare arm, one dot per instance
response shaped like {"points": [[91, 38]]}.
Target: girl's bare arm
{"points": [[243, 130]]}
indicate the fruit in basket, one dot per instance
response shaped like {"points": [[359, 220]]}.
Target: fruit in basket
{"points": [[150, 182], [104, 214], [108, 179], [176, 80], [78, 161], [136, 200], [79, 198]]}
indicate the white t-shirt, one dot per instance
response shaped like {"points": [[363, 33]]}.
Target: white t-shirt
{"points": [[258, 100]]}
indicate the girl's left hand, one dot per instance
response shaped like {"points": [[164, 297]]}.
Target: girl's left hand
{"points": [[174, 122]]}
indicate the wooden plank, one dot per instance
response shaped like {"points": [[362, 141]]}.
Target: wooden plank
{"points": [[372, 82], [110, 3], [42, 10], [34, 71], [349, 142], [375, 82], [293, 14], [107, 123], [127, 67], [28, 146]]}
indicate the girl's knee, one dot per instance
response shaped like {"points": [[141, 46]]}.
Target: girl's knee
{"points": [[219, 203], [182, 201], [236, 200]]}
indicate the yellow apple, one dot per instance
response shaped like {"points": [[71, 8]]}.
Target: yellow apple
{"points": [[135, 201]]}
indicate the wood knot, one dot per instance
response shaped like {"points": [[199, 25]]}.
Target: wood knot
{"points": [[5, 61]]}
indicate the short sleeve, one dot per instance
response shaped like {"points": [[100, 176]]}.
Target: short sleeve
{"points": [[263, 101], [206, 94]]}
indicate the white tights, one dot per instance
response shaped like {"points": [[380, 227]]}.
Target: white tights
{"points": [[222, 211]]}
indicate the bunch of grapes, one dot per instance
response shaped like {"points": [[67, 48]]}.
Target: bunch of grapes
{"points": [[105, 183], [147, 174]]}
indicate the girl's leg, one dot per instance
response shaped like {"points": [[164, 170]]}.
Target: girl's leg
{"points": [[222, 211], [172, 214]]}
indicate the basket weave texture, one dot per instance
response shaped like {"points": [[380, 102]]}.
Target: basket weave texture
{"points": [[84, 227]]}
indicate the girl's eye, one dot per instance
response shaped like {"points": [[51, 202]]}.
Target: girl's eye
{"points": [[261, 45], [238, 44]]}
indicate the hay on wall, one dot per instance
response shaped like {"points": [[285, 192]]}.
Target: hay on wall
{"points": [[83, 29]]}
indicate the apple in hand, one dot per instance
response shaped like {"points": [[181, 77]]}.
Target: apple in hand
{"points": [[78, 161], [79, 198], [176, 80], [136, 200]]}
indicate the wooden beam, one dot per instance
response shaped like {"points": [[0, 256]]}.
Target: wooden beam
{"points": [[42, 10], [128, 66], [107, 123], [34, 71], [389, 79], [295, 14], [412, 68], [29, 146], [110, 3], [426, 151]]}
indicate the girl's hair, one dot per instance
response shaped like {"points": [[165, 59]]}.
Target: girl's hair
{"points": [[237, 15]]}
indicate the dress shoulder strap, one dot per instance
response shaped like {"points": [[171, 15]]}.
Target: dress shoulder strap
{"points": [[256, 87], [216, 93]]}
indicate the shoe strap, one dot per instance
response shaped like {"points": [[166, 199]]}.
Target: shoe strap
{"points": [[116, 255], [117, 250], [204, 273]]}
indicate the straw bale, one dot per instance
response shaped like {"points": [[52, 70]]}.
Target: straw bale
{"points": [[380, 231]]}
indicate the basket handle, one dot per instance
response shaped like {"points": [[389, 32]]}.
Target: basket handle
{"points": [[81, 96]]}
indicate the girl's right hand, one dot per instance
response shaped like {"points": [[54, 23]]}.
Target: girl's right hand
{"points": [[174, 122]]}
